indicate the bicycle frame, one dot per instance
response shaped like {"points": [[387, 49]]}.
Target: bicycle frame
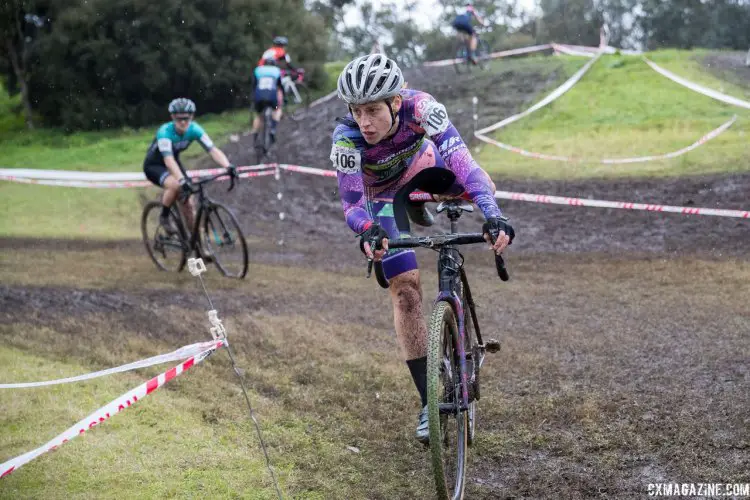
{"points": [[204, 204], [450, 274]]}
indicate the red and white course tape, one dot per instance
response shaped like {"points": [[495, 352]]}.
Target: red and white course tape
{"points": [[103, 180], [113, 408], [580, 202], [561, 200]]}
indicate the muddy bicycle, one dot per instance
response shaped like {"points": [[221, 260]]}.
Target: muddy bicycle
{"points": [[463, 61], [215, 236], [455, 347], [296, 92]]}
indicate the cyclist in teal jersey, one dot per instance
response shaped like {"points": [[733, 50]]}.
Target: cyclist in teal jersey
{"points": [[162, 165]]}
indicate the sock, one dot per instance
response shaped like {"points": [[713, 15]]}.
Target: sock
{"points": [[273, 126], [164, 211], [418, 369]]}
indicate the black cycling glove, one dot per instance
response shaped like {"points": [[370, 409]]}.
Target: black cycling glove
{"points": [[232, 169], [494, 225], [373, 234], [185, 188]]}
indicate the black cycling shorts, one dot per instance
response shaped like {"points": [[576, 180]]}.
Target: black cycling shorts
{"points": [[463, 26], [157, 173]]}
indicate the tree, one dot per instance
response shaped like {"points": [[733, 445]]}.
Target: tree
{"points": [[19, 21], [107, 63]]}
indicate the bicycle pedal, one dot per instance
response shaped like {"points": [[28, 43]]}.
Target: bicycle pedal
{"points": [[492, 345]]}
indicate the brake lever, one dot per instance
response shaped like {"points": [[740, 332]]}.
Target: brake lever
{"points": [[231, 182]]}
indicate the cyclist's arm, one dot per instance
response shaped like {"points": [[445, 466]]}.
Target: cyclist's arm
{"points": [[173, 167], [165, 148], [219, 157], [288, 61], [479, 18], [454, 152], [347, 161]]}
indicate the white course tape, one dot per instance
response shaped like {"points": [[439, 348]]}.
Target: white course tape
{"points": [[580, 202], [323, 99], [564, 49], [551, 97], [612, 161], [493, 55], [698, 88], [181, 353], [105, 412]]}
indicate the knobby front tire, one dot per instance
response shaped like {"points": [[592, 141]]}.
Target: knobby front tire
{"points": [[222, 240], [448, 432]]}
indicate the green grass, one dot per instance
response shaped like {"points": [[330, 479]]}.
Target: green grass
{"points": [[622, 108]]}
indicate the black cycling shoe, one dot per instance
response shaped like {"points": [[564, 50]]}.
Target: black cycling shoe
{"points": [[423, 429], [419, 214], [168, 224]]}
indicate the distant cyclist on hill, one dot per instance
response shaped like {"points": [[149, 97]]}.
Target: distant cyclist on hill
{"points": [[162, 165], [267, 93], [462, 24]]}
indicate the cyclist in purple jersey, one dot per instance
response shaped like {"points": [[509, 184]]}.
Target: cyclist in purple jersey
{"points": [[390, 135]]}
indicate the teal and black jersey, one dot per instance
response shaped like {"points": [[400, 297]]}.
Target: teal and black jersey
{"points": [[169, 143]]}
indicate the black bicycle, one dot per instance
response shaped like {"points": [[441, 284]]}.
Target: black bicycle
{"points": [[463, 61], [215, 236], [456, 349]]}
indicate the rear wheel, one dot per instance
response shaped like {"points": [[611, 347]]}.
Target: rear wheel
{"points": [[222, 240], [448, 430], [462, 54], [167, 249]]}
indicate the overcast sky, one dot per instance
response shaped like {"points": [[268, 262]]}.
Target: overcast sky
{"points": [[429, 11]]}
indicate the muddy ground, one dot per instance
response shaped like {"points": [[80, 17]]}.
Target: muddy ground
{"points": [[625, 353], [729, 66]]}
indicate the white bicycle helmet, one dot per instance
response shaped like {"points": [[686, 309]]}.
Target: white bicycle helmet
{"points": [[182, 105], [370, 78]]}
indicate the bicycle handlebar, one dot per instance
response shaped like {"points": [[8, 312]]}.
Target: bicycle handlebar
{"points": [[438, 241], [198, 183]]}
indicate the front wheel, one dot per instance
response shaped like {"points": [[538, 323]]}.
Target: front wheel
{"points": [[483, 54], [166, 248], [448, 429], [222, 240]]}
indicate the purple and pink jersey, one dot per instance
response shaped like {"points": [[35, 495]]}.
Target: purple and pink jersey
{"points": [[374, 173]]}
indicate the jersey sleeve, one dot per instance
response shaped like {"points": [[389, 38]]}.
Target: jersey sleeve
{"points": [[164, 142], [346, 158], [197, 133], [433, 118]]}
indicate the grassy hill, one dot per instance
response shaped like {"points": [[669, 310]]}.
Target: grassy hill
{"points": [[622, 108]]}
